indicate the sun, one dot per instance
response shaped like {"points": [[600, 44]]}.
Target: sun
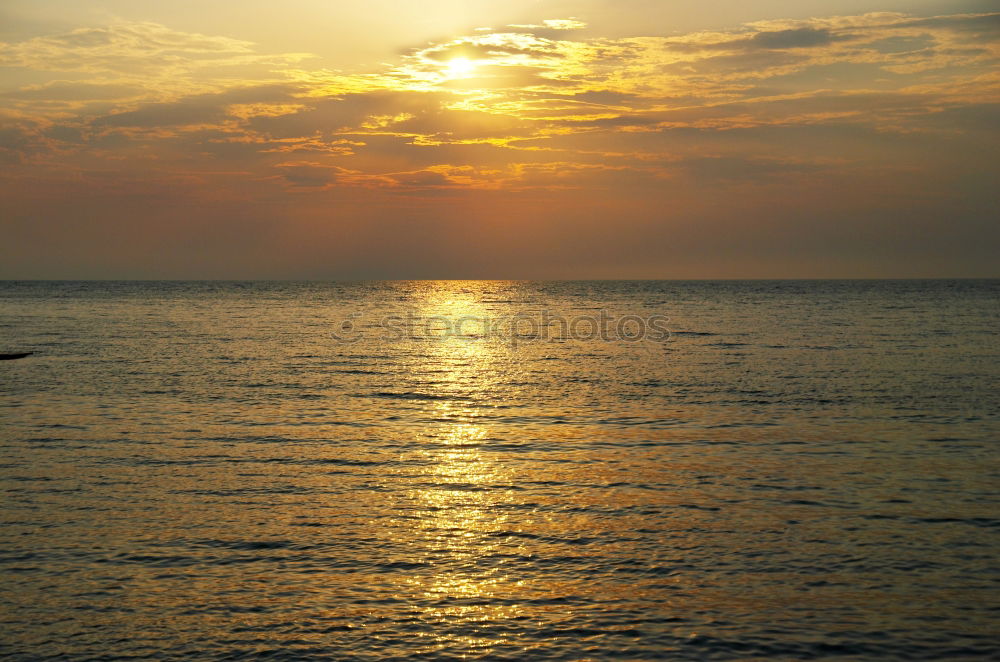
{"points": [[460, 67]]}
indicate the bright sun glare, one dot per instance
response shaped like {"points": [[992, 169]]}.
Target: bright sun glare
{"points": [[460, 66]]}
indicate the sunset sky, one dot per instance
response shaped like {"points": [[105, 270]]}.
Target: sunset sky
{"points": [[322, 139]]}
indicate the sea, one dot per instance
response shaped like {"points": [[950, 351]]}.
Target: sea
{"points": [[494, 470]]}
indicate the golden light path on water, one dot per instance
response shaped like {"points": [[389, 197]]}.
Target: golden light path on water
{"points": [[461, 508]]}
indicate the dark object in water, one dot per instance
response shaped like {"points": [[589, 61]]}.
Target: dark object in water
{"points": [[8, 357]]}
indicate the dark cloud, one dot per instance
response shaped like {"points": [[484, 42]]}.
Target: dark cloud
{"points": [[421, 178], [979, 118], [795, 38], [307, 174], [803, 37], [75, 91], [14, 145], [609, 97], [62, 133], [901, 44], [198, 109], [86, 38], [273, 93], [977, 26], [179, 113], [754, 63]]}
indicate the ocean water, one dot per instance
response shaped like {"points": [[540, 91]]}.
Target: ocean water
{"points": [[779, 470]]}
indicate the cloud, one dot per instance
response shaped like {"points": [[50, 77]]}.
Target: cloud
{"points": [[307, 174], [564, 24], [74, 91], [204, 108], [525, 98], [551, 24], [14, 144], [185, 112], [793, 38], [123, 47], [421, 179], [134, 61]]}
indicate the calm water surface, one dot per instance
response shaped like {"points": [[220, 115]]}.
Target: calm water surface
{"points": [[801, 470]]}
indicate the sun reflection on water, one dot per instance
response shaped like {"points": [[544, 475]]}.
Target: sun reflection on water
{"points": [[462, 500]]}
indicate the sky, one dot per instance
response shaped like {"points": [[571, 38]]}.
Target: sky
{"points": [[523, 139]]}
